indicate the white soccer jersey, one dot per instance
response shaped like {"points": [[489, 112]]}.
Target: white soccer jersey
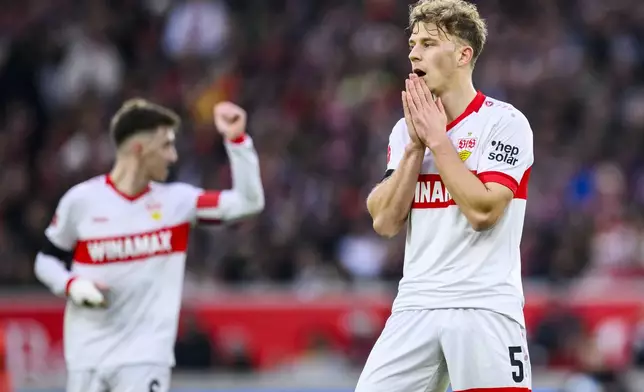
{"points": [[136, 246], [447, 263]]}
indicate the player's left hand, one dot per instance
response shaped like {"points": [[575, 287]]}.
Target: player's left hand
{"points": [[428, 115], [230, 120]]}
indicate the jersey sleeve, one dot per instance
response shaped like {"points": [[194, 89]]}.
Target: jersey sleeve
{"points": [[51, 262], [61, 231], [245, 198], [396, 146], [508, 155]]}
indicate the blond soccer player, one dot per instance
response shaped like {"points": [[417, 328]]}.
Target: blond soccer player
{"points": [[457, 176]]}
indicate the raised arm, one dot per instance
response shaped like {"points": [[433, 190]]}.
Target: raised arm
{"points": [[246, 197]]}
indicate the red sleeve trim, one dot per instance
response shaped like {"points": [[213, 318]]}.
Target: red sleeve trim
{"points": [[68, 284], [500, 178], [239, 140], [208, 199], [522, 192]]}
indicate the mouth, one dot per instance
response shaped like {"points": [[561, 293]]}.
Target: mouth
{"points": [[419, 72]]}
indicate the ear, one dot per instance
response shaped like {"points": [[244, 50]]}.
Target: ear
{"points": [[137, 148], [466, 55]]}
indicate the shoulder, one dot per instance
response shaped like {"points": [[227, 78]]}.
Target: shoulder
{"points": [[399, 127], [176, 189], [79, 196], [399, 132], [505, 117], [83, 190]]}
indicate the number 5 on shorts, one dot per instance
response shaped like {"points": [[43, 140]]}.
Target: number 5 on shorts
{"points": [[519, 375]]}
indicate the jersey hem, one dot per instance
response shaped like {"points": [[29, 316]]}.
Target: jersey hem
{"points": [[519, 317], [119, 365]]}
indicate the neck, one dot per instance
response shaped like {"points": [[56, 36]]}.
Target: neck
{"points": [[128, 178], [457, 98]]}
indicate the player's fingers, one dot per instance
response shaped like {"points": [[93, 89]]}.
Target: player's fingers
{"points": [[405, 106], [418, 83], [426, 91], [411, 105], [439, 105], [413, 92], [228, 109]]}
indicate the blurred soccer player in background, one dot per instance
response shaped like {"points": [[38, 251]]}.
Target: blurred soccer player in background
{"points": [[126, 234]]}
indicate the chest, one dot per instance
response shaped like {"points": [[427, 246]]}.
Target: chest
{"points": [[468, 139], [117, 230], [109, 217]]}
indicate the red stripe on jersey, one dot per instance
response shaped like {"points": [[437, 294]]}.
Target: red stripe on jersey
{"points": [[143, 192], [474, 106], [431, 193], [500, 178], [208, 199], [522, 192], [506, 389], [133, 247]]}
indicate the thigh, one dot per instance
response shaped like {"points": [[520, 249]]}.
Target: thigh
{"points": [[406, 357], [484, 349], [85, 381], [141, 378]]}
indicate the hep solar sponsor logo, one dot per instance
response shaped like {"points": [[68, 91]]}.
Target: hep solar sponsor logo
{"points": [[504, 152]]}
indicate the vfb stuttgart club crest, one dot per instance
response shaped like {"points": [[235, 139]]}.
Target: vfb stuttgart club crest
{"points": [[465, 146]]}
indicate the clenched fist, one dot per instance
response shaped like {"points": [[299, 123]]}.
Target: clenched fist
{"points": [[230, 120]]}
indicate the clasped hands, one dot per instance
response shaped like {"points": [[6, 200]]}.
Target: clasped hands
{"points": [[425, 116]]}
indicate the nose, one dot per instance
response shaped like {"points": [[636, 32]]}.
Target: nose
{"points": [[413, 55], [173, 156]]}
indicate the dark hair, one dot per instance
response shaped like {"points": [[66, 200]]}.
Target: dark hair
{"points": [[139, 115]]}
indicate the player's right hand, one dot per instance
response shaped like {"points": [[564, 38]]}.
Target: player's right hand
{"points": [[83, 292], [415, 140], [230, 120]]}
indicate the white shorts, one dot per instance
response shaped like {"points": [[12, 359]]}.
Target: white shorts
{"points": [[134, 378], [423, 350]]}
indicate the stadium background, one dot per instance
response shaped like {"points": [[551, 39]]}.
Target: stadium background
{"points": [[294, 299]]}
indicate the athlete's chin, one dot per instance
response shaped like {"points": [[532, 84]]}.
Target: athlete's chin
{"points": [[161, 176], [431, 83]]}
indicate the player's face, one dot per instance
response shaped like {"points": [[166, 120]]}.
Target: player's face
{"points": [[434, 56], [160, 154]]}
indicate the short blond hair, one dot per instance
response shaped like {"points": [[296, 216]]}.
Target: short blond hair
{"points": [[140, 115], [458, 18]]}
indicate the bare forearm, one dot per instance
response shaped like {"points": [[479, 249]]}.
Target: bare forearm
{"points": [[472, 196], [390, 201]]}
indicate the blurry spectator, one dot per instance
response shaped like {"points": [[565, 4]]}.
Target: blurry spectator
{"points": [[319, 359], [363, 331], [91, 64], [193, 349], [235, 353], [362, 253], [554, 340], [197, 28]]}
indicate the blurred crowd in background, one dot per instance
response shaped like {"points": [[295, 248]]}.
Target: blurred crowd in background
{"points": [[321, 80]]}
